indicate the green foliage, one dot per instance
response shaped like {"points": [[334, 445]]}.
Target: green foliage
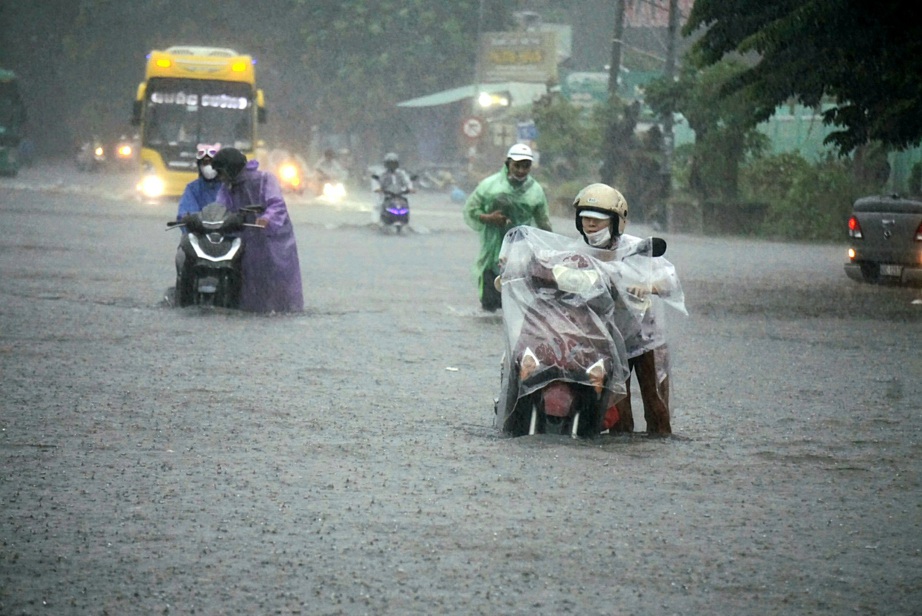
{"points": [[725, 128], [560, 195], [805, 202], [565, 138], [615, 123], [374, 55], [769, 179], [915, 179], [865, 56]]}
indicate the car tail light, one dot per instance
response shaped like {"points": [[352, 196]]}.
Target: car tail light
{"points": [[854, 229], [918, 236]]}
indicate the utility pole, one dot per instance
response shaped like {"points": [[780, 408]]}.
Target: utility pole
{"points": [[614, 67], [610, 147], [669, 73]]}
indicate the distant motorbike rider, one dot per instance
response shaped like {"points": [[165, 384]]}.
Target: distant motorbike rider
{"points": [[270, 268], [328, 167], [393, 180], [506, 199], [198, 193], [601, 215]]}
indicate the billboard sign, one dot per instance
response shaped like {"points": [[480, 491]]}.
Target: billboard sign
{"points": [[518, 56]]}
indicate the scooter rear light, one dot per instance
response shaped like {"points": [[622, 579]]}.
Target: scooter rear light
{"points": [[854, 228]]}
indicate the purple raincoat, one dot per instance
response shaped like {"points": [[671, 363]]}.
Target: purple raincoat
{"points": [[271, 271]]}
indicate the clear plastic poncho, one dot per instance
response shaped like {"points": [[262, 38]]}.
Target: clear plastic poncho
{"points": [[568, 306]]}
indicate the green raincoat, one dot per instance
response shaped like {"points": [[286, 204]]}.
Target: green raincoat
{"points": [[522, 205]]}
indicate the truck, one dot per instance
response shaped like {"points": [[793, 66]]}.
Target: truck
{"points": [[885, 240]]}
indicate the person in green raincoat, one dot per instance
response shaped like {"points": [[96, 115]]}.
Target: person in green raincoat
{"points": [[506, 199]]}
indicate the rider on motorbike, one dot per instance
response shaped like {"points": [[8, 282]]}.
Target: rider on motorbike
{"points": [[601, 216], [328, 167], [202, 190], [198, 193], [393, 180]]}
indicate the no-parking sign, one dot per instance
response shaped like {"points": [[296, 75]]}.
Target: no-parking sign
{"points": [[472, 127]]}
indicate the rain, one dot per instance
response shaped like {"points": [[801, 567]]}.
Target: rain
{"points": [[346, 458]]}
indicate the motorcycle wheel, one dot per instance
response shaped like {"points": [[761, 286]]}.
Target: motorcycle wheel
{"points": [[184, 293]]}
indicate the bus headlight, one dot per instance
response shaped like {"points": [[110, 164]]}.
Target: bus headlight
{"points": [[151, 187]]}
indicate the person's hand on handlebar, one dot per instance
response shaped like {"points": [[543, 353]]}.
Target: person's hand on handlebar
{"points": [[262, 223]]}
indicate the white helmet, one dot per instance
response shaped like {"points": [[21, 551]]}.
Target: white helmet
{"points": [[520, 151]]}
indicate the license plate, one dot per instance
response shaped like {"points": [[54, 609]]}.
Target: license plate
{"points": [[891, 270]]}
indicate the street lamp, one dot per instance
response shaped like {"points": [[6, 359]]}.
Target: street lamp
{"points": [[487, 100]]}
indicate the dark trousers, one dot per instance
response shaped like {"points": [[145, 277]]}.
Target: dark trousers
{"points": [[490, 298], [653, 392]]}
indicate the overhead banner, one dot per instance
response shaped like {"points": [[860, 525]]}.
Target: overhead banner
{"points": [[518, 56]]}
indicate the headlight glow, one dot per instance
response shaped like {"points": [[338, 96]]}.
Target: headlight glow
{"points": [[151, 186], [289, 173]]}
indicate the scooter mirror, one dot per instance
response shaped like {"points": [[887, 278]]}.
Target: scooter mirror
{"points": [[658, 246]]}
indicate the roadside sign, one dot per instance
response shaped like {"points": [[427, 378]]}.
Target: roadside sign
{"points": [[527, 131], [472, 127]]}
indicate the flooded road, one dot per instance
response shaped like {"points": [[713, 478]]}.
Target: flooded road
{"points": [[343, 460]]}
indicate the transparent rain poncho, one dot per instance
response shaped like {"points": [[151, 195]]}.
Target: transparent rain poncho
{"points": [[568, 306]]}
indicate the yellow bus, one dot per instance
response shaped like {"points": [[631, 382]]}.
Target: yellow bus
{"points": [[193, 95]]}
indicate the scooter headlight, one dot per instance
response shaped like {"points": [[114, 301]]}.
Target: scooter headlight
{"points": [[528, 364], [334, 192], [596, 374], [289, 173]]}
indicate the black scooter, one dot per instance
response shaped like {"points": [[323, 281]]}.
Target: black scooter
{"points": [[208, 258]]}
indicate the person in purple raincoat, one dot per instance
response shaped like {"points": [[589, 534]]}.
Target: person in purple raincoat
{"points": [[270, 268]]}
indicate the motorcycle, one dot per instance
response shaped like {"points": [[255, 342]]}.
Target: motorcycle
{"points": [[126, 152], [209, 269], [395, 207], [567, 310], [289, 168], [91, 156]]}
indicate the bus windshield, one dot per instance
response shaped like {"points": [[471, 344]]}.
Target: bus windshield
{"points": [[184, 112]]}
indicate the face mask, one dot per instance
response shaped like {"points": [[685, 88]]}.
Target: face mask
{"points": [[208, 172], [600, 239]]}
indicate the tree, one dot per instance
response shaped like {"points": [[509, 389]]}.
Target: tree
{"points": [[341, 65], [724, 127], [364, 57], [864, 55]]}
